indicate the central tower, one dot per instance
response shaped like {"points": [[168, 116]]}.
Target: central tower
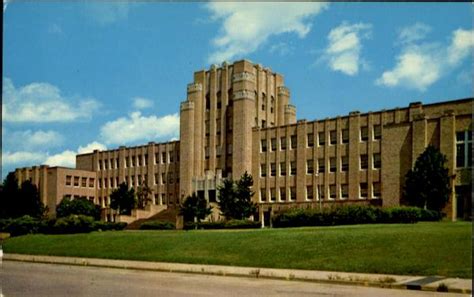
{"points": [[222, 106]]}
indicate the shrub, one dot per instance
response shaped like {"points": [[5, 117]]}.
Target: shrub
{"points": [[241, 224], [404, 214], [4, 224], [157, 225], [109, 226], [427, 215], [73, 224], [23, 225], [80, 206]]}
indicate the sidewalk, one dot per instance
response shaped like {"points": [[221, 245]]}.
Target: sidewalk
{"points": [[430, 283]]}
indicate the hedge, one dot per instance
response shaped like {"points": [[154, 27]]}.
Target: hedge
{"points": [[157, 225], [231, 224], [352, 214]]}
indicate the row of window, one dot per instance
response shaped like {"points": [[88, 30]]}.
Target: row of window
{"points": [[333, 140], [363, 162], [160, 199], [131, 181], [136, 161], [83, 182], [72, 197], [289, 194]]}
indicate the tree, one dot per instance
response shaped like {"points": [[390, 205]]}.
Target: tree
{"points": [[30, 201], [195, 208], [123, 199], [143, 195], [80, 206], [235, 198], [427, 184]]}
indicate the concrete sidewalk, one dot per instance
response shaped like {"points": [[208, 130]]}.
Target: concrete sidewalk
{"points": [[432, 283]]}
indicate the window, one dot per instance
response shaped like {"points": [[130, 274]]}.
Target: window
{"points": [[321, 194], [263, 170], [100, 164], [363, 190], [139, 160], [272, 194], [310, 139], [170, 177], [309, 192], [283, 143], [344, 191], [344, 163], [272, 104], [76, 181], [272, 169], [293, 168], [116, 182], [309, 167], [333, 137], [332, 164], [263, 145], [345, 135], [126, 162], [377, 161], [273, 143], [133, 160], [293, 141], [219, 101], [206, 152], [206, 124], [111, 182], [376, 190], [264, 124], [163, 157], [68, 180], [332, 191], [84, 182], [156, 179], [321, 139], [106, 164], [91, 182], [282, 194], [283, 168], [292, 193], [463, 149], [208, 102], [146, 159], [377, 132], [157, 158], [99, 183], [263, 106], [263, 195], [163, 178], [364, 134], [106, 183], [321, 167], [364, 162]]}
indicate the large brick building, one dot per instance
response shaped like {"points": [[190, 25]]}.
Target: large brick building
{"points": [[239, 118]]}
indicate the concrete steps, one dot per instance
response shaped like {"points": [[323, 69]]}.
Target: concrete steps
{"points": [[167, 215]]}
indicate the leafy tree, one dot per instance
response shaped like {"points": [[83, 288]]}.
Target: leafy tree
{"points": [[30, 201], [123, 199], [427, 184], [195, 207], [9, 206], [235, 198], [80, 206], [143, 195]]}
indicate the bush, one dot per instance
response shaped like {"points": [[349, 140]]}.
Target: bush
{"points": [[109, 226], [4, 224], [80, 206], [352, 214], [23, 225], [231, 224], [73, 224], [157, 225]]}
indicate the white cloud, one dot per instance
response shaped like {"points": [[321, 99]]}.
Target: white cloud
{"points": [[344, 47], [21, 157], [29, 139], [415, 32], [106, 13], [142, 103], [65, 159], [89, 148], [420, 66], [43, 102], [281, 49], [246, 26], [138, 127]]}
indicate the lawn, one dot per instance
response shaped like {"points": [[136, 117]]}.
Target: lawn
{"points": [[441, 248]]}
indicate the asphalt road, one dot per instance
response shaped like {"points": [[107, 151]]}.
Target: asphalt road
{"points": [[32, 279]]}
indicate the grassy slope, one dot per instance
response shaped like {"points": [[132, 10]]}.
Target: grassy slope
{"points": [[423, 248]]}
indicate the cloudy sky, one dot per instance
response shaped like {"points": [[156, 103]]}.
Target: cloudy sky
{"points": [[96, 74]]}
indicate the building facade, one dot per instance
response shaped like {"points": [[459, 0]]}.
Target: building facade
{"points": [[238, 117]]}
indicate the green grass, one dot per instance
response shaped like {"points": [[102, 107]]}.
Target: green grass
{"points": [[441, 248]]}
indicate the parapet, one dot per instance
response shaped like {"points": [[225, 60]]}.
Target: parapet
{"points": [[194, 87], [290, 108], [243, 76], [244, 94], [185, 105], [282, 90]]}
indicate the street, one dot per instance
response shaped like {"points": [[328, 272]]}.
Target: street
{"points": [[32, 279]]}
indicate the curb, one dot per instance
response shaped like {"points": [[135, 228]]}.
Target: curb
{"points": [[328, 277]]}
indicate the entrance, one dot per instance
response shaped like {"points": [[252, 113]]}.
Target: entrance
{"points": [[463, 203]]}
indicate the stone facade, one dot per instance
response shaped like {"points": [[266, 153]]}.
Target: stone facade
{"points": [[238, 117]]}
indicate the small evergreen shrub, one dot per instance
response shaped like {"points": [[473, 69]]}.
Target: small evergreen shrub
{"points": [[109, 226], [241, 224], [73, 224], [157, 225], [23, 225]]}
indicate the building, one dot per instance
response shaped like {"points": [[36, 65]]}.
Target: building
{"points": [[238, 117]]}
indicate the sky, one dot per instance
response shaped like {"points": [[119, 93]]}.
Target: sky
{"points": [[85, 75]]}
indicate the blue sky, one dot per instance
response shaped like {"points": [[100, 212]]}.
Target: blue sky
{"points": [[84, 75]]}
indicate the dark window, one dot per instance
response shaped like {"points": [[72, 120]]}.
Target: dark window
{"points": [[293, 168], [344, 191], [263, 170], [293, 141], [309, 192], [309, 167], [344, 163], [364, 133], [364, 162], [321, 167], [333, 137], [345, 135], [332, 164], [283, 168], [263, 145], [321, 139], [282, 194], [283, 143], [310, 139], [363, 190], [272, 169], [273, 144], [377, 132], [377, 161]]}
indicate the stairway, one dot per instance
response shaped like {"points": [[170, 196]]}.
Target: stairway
{"points": [[167, 215]]}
